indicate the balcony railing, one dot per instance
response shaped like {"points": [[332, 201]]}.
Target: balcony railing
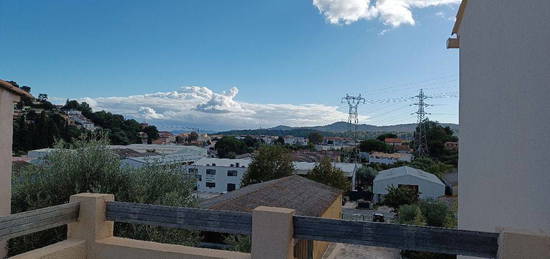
{"points": [[406, 237]]}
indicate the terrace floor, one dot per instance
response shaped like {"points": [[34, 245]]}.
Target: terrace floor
{"points": [[349, 251]]}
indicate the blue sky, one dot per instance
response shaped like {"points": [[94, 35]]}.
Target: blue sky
{"points": [[279, 62]]}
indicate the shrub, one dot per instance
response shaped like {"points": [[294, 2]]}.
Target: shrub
{"points": [[88, 165]]}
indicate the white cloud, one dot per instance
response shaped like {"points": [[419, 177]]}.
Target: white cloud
{"points": [[195, 106], [393, 13]]}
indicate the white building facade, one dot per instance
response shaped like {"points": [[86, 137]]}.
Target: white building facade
{"points": [[504, 115], [218, 175], [427, 185], [389, 159]]}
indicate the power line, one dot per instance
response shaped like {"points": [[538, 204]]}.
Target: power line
{"points": [[420, 133]]}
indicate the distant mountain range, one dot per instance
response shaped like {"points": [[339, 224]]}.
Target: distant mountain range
{"points": [[333, 129]]}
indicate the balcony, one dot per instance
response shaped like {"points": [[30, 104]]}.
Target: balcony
{"points": [[91, 217]]}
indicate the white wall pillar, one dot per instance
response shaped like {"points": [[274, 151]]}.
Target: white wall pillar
{"points": [[7, 100]]}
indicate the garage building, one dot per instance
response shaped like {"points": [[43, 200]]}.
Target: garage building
{"points": [[426, 184]]}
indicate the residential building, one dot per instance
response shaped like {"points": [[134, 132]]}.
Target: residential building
{"points": [[389, 158], [166, 137], [394, 141], [504, 115], [218, 175], [307, 197], [9, 95], [77, 118], [425, 184], [291, 140]]}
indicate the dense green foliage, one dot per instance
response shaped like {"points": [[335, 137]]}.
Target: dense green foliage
{"points": [[399, 196], [239, 243], [327, 174], [364, 177], [411, 214], [90, 166], [371, 145], [315, 138], [427, 213], [436, 136], [269, 163], [229, 147], [35, 131], [121, 131]]}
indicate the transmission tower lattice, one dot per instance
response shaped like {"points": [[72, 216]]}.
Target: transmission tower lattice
{"points": [[420, 134], [353, 119]]}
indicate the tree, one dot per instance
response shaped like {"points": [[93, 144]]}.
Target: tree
{"points": [[270, 162], [429, 165], [399, 196], [327, 174], [229, 146], [251, 142], [436, 136], [315, 138], [435, 212], [371, 145], [365, 177], [411, 214], [152, 133], [193, 136], [385, 136], [279, 141], [89, 165], [42, 97]]}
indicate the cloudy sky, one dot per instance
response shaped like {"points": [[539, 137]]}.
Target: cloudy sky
{"points": [[235, 64]]}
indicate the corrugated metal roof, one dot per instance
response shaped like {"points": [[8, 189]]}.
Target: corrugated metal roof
{"points": [[307, 197], [405, 170]]}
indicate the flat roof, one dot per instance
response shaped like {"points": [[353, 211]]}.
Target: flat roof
{"points": [[223, 162]]}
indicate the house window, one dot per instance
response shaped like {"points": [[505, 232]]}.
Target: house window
{"points": [[210, 171], [199, 177], [232, 173], [211, 185], [230, 187]]}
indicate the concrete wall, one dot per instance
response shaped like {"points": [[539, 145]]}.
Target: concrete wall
{"points": [[123, 248], [7, 100], [504, 166], [68, 249], [333, 212]]}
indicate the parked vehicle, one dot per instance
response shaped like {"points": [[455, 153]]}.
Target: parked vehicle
{"points": [[378, 217]]}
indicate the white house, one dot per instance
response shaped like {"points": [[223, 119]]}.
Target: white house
{"points": [[504, 114], [291, 140], [389, 159], [427, 185], [218, 175]]}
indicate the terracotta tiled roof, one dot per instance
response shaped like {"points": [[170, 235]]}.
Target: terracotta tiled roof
{"points": [[13, 89], [393, 140]]}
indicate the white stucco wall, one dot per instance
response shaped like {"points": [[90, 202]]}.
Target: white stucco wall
{"points": [[220, 179], [426, 188], [6, 137], [504, 166]]}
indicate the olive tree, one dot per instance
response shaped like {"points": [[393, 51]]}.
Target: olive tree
{"points": [[88, 165]]}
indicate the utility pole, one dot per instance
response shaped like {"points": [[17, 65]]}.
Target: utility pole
{"points": [[420, 133], [353, 121]]}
